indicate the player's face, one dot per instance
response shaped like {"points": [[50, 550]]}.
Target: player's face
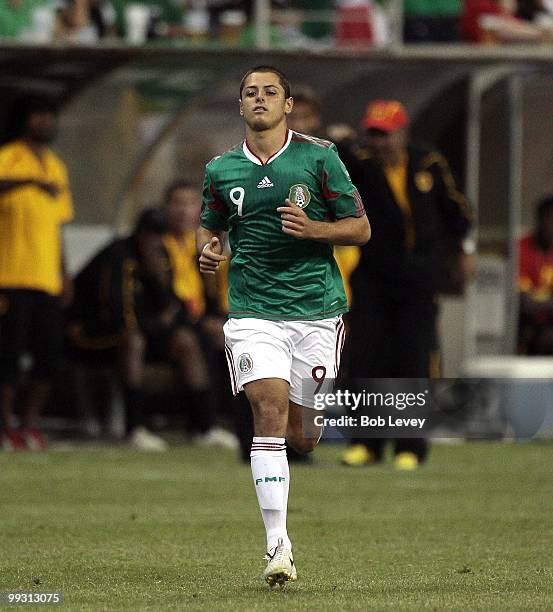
{"points": [[386, 147], [42, 126], [304, 119], [183, 210], [264, 104]]}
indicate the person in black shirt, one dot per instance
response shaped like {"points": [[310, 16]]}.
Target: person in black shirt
{"points": [[125, 312], [419, 220]]}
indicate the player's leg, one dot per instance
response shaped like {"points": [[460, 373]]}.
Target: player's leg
{"points": [[46, 347], [302, 434], [416, 330], [15, 313], [259, 361], [317, 348], [368, 355], [132, 355], [188, 355], [268, 399]]}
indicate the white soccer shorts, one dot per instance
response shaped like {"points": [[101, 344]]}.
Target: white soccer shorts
{"points": [[304, 353]]}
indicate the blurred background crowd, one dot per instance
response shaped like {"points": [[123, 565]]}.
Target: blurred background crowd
{"points": [[290, 23]]}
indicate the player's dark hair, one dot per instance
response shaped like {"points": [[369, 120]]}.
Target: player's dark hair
{"points": [[283, 80], [25, 106], [152, 220], [175, 186], [544, 208]]}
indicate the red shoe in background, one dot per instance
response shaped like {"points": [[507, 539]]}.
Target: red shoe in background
{"points": [[12, 441], [33, 439]]}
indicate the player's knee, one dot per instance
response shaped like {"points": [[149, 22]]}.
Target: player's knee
{"points": [[269, 417], [265, 409]]}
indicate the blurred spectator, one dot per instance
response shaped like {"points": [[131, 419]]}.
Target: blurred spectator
{"points": [[360, 23], [34, 202], [164, 18], [494, 21], [227, 18], [418, 217], [125, 313], [27, 20], [102, 16], [15, 16], [428, 21], [536, 284], [202, 296], [182, 203], [318, 28], [306, 112], [84, 21], [532, 10]]}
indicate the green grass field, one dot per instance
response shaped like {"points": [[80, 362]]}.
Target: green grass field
{"points": [[122, 530]]}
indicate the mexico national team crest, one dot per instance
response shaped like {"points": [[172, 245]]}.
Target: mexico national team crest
{"points": [[245, 363], [299, 195]]}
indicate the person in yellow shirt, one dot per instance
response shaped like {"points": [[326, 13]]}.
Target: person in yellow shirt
{"points": [[35, 201], [202, 300], [182, 205]]}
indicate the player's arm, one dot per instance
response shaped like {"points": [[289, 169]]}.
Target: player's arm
{"points": [[349, 231], [349, 225], [213, 225], [210, 244]]}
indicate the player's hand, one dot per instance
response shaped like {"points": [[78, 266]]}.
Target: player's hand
{"points": [[48, 187], [211, 256], [295, 222]]}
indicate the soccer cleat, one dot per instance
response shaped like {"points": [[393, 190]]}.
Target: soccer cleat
{"points": [[281, 567], [406, 461], [12, 441], [358, 455], [33, 439]]}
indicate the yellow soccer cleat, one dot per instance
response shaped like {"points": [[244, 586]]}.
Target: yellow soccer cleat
{"points": [[281, 567], [406, 461], [358, 455]]}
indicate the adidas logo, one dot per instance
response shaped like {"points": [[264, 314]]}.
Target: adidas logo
{"points": [[265, 182]]}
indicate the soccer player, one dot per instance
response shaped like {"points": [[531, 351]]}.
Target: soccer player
{"points": [[285, 199]]}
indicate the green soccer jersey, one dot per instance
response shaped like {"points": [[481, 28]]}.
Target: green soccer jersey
{"points": [[273, 275]]}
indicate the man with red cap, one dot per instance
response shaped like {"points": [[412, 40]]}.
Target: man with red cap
{"points": [[418, 218]]}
